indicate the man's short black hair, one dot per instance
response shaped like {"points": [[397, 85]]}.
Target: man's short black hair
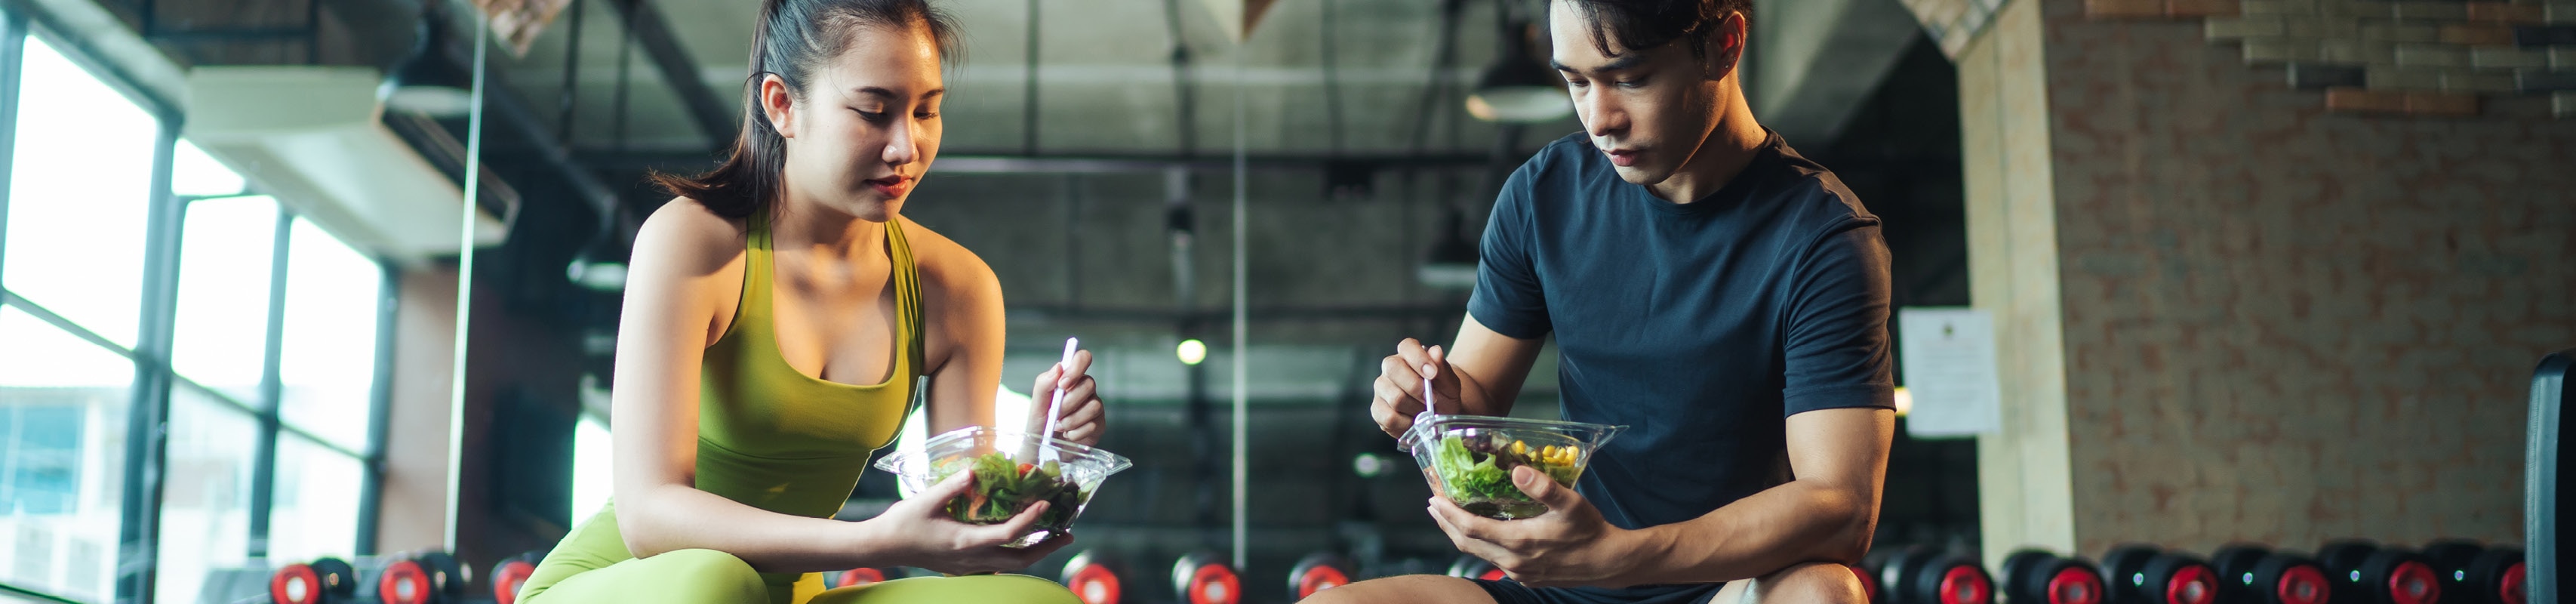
{"points": [[1644, 24]]}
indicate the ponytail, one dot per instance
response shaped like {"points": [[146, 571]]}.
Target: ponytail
{"points": [[790, 38]]}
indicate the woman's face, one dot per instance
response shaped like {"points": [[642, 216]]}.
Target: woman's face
{"points": [[864, 130]]}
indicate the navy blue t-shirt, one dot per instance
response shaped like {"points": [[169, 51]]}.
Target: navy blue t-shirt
{"points": [[1700, 326]]}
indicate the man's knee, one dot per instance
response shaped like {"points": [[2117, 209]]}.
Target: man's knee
{"points": [[1810, 582], [1403, 589]]}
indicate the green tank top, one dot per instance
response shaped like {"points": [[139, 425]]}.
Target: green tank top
{"points": [[774, 438]]}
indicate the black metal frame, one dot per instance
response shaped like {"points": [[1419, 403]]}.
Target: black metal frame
{"points": [[648, 29], [147, 427], [154, 379], [272, 402], [310, 33]]}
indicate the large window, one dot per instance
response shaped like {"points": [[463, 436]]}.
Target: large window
{"points": [[63, 403], [328, 367], [222, 324], [255, 367], [80, 185]]}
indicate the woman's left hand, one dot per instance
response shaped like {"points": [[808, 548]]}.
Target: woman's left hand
{"points": [[1081, 416]]}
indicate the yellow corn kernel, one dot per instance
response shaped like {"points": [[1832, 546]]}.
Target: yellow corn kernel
{"points": [[1519, 449]]}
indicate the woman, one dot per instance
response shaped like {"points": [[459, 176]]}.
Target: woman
{"points": [[777, 316]]}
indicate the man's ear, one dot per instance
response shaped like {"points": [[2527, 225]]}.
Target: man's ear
{"points": [[1725, 44], [778, 103]]}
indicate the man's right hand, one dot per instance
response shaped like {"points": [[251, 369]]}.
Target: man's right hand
{"points": [[1398, 393]]}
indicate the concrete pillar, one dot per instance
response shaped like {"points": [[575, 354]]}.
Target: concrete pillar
{"points": [[2024, 495]]}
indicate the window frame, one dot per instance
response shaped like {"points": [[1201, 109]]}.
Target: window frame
{"points": [[154, 379]]}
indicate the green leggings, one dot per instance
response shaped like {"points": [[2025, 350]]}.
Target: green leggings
{"points": [[592, 565]]}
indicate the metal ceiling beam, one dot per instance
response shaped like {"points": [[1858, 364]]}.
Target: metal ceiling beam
{"points": [[653, 32], [1050, 313], [977, 162], [1815, 62], [513, 113]]}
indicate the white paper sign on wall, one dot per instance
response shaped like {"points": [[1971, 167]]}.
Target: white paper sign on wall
{"points": [[1947, 357]]}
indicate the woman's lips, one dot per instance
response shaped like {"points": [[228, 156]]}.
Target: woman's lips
{"points": [[891, 186]]}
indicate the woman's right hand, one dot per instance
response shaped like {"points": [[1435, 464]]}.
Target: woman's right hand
{"points": [[928, 538]]}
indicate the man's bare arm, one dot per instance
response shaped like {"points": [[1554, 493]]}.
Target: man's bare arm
{"points": [[1825, 514]]}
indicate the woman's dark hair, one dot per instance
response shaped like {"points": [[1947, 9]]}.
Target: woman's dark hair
{"points": [[791, 39], [1643, 24]]}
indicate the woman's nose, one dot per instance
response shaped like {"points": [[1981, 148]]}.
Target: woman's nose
{"points": [[899, 148]]}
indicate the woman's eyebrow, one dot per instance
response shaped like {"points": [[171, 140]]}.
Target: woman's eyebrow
{"points": [[889, 94]]}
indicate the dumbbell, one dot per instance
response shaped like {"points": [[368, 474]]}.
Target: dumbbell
{"points": [[1868, 584], [2474, 574], [2034, 576], [2253, 574], [1471, 567], [2146, 574], [429, 577], [322, 581], [2365, 573], [1317, 572], [1202, 578], [861, 576], [1093, 577], [512, 572], [1926, 575]]}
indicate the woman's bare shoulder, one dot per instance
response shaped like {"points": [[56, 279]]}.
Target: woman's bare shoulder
{"points": [[949, 272], [685, 237]]}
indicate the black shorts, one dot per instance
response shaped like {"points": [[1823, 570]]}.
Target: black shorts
{"points": [[1507, 591]]}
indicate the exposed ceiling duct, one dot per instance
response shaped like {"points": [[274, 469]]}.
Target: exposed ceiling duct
{"points": [[314, 138], [1237, 17]]}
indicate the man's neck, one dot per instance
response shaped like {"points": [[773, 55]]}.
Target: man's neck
{"points": [[1728, 149]]}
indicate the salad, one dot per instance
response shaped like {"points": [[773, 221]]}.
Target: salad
{"points": [[1476, 472], [1003, 487]]}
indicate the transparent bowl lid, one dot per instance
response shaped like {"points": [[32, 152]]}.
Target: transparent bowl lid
{"points": [[1433, 426]]}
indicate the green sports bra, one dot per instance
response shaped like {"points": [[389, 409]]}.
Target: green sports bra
{"points": [[779, 440]]}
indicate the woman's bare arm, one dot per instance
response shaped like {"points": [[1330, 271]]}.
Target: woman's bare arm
{"points": [[687, 267], [962, 310]]}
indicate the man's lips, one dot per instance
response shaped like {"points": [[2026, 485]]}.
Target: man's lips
{"points": [[1621, 157]]}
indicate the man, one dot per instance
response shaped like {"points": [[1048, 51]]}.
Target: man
{"points": [[1721, 296]]}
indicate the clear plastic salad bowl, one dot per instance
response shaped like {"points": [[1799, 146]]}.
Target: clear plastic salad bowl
{"points": [[1004, 485], [1469, 458]]}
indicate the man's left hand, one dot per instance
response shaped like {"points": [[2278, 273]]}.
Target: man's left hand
{"points": [[1570, 545]]}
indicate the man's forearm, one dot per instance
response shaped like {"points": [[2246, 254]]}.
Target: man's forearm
{"points": [[1784, 525], [1475, 399]]}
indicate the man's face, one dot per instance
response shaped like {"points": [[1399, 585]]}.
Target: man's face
{"points": [[1647, 110]]}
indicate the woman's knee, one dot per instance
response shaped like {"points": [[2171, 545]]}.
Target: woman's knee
{"points": [[706, 575], [977, 588]]}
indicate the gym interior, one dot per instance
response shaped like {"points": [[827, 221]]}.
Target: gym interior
{"points": [[2238, 300]]}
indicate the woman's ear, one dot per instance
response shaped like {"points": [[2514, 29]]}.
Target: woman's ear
{"points": [[1725, 46], [778, 103]]}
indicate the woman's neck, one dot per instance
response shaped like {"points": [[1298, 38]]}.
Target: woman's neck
{"points": [[824, 228]]}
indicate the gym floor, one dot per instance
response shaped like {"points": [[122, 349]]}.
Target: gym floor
{"points": [[2265, 282]]}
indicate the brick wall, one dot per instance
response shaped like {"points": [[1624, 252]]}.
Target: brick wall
{"points": [[2436, 58], [2283, 323]]}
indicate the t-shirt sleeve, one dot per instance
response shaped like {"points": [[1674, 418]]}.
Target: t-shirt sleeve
{"points": [[1836, 338], [1508, 298]]}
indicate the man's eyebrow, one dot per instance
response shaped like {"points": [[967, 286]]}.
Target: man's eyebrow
{"points": [[1622, 63]]}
